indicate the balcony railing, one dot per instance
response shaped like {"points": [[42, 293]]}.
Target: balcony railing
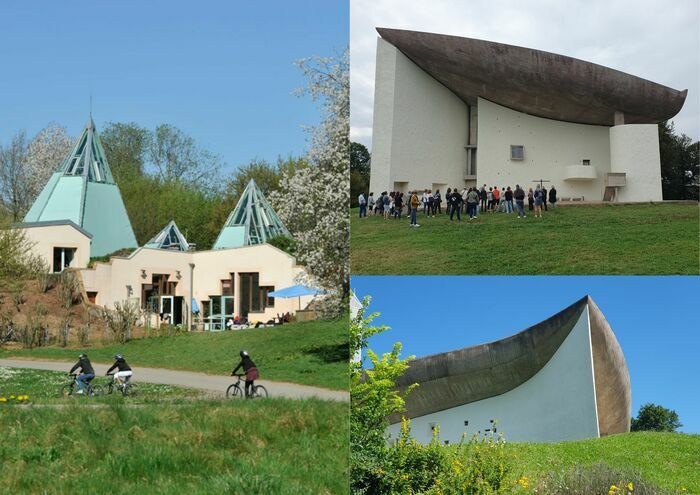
{"points": [[580, 172]]}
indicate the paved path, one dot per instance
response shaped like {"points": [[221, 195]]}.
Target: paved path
{"points": [[213, 384]]}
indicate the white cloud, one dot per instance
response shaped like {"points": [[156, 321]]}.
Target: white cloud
{"points": [[656, 40]]}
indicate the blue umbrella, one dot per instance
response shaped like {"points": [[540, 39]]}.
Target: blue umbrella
{"points": [[296, 291]]}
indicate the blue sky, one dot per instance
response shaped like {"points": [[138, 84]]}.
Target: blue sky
{"points": [[655, 320], [221, 71]]}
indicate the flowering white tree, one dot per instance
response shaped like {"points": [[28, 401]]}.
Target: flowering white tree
{"points": [[313, 202], [45, 153]]}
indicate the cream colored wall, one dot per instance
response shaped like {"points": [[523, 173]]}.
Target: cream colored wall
{"points": [[551, 147], [276, 268], [46, 237], [419, 128], [634, 150]]}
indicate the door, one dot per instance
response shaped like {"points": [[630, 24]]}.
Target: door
{"points": [[167, 304], [177, 310]]}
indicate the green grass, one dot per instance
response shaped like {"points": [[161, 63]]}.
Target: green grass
{"points": [[275, 446], [314, 353], [643, 239], [668, 460], [44, 386]]}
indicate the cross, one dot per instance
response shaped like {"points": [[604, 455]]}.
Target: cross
{"points": [[541, 181]]}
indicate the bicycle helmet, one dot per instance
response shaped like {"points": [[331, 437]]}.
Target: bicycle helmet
{"points": [[117, 356], [244, 354]]}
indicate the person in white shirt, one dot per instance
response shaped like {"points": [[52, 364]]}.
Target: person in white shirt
{"points": [[363, 205]]}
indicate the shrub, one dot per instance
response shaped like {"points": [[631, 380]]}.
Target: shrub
{"points": [[652, 417], [33, 334], [68, 289], [596, 479], [64, 331], [84, 334], [118, 323], [477, 466]]}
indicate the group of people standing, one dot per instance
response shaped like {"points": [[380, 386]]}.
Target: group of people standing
{"points": [[470, 200]]}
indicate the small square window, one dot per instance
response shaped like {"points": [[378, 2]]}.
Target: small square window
{"points": [[466, 423], [517, 152], [586, 161]]}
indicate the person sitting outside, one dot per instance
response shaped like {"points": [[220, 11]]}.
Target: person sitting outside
{"points": [[250, 370], [124, 373], [87, 372]]}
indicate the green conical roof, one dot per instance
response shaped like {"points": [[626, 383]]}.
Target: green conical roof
{"points": [[88, 158], [169, 238], [252, 221], [83, 191]]}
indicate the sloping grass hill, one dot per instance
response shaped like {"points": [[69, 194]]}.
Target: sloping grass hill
{"points": [[668, 460], [311, 353]]}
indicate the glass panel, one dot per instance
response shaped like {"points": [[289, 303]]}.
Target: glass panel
{"points": [[228, 306], [215, 306], [255, 302]]}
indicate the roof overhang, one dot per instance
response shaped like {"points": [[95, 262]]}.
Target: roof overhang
{"points": [[53, 223], [463, 376], [535, 82]]}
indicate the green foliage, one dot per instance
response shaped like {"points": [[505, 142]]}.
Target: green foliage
{"points": [[126, 146], [652, 417], [642, 239], [359, 171], [680, 163], [373, 397], [286, 244], [310, 353], [17, 262], [188, 448]]}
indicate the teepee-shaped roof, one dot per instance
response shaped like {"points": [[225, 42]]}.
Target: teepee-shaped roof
{"points": [[169, 238], [88, 158], [252, 221], [83, 191]]}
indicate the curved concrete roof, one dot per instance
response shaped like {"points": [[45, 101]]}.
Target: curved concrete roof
{"points": [[536, 82], [467, 375]]}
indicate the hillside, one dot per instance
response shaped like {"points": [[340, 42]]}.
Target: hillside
{"points": [[311, 353], [668, 460]]}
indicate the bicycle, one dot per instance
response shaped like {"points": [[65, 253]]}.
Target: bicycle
{"points": [[236, 390], [126, 388], [69, 388]]}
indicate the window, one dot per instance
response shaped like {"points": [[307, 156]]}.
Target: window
{"points": [[92, 296], [227, 287], [62, 258], [517, 152], [267, 301], [586, 161]]}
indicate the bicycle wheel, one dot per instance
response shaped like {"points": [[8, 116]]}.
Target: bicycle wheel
{"points": [[130, 389], [234, 392], [67, 390], [96, 390], [259, 392]]}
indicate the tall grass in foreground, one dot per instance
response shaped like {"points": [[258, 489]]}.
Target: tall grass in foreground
{"points": [[272, 447]]}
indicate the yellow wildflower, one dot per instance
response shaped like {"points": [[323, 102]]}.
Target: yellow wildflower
{"points": [[630, 486]]}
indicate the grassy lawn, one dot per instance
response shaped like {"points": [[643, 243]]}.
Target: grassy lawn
{"points": [[644, 239], [668, 460], [314, 353], [275, 446], [44, 386]]}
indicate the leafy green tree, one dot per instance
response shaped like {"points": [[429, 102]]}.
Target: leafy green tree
{"points": [[652, 417], [680, 164], [126, 146], [359, 171], [373, 397], [175, 157]]}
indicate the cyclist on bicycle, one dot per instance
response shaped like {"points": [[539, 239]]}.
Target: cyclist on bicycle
{"points": [[87, 373], [124, 373], [250, 370]]}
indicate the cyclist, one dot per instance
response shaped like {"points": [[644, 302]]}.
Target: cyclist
{"points": [[124, 373], [87, 372], [251, 372]]}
